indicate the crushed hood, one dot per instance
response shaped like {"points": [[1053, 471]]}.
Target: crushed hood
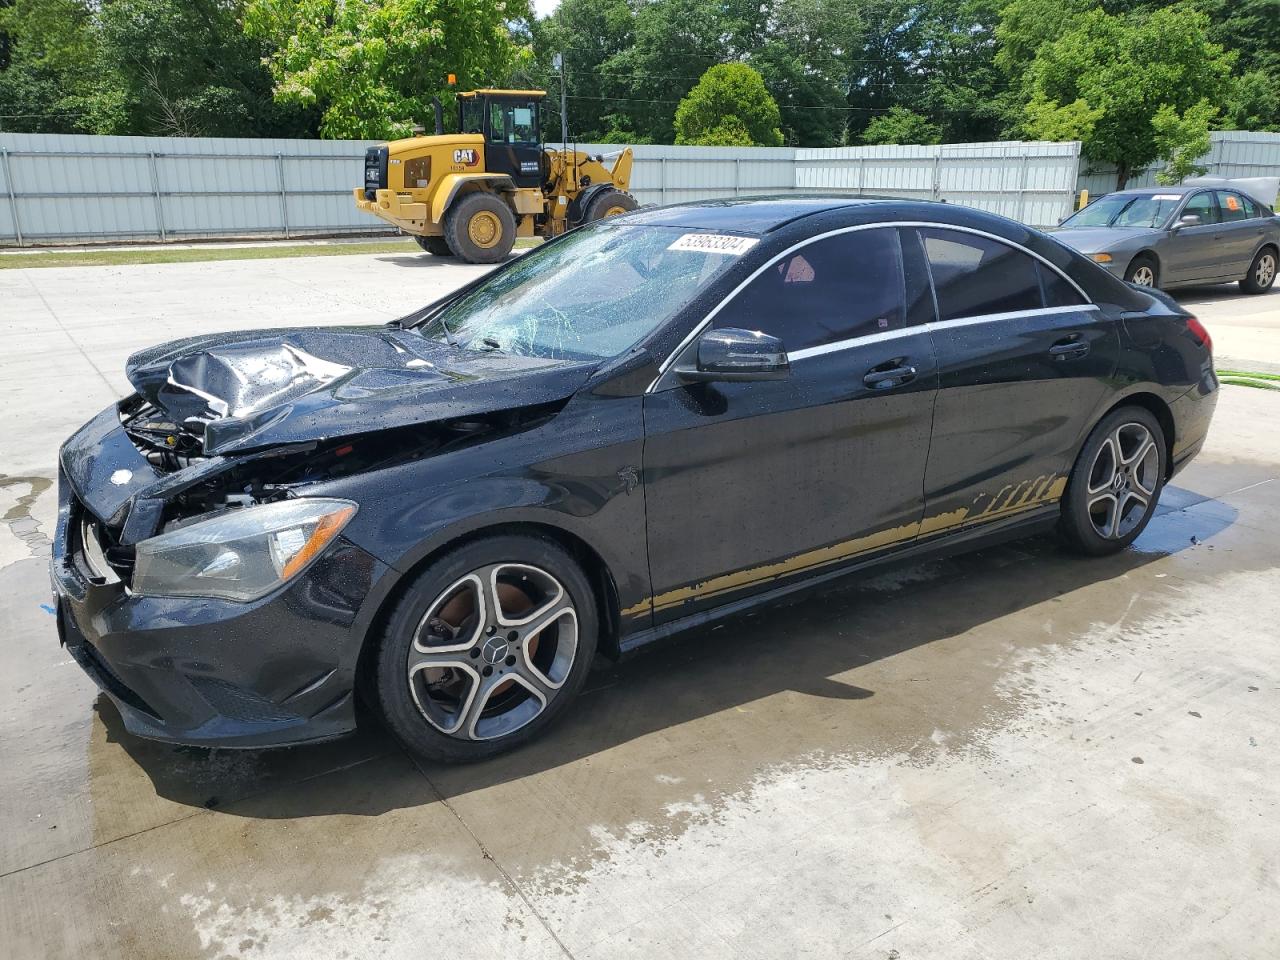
{"points": [[243, 391]]}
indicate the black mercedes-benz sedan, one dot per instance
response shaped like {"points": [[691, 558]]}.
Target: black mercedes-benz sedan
{"points": [[644, 425]]}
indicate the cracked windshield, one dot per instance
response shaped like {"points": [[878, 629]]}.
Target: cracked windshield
{"points": [[587, 296]]}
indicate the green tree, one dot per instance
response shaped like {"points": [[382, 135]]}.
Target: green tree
{"points": [[1254, 102], [1123, 70], [900, 125], [1249, 27], [587, 33], [729, 106], [674, 41], [47, 62], [1182, 139], [185, 68], [371, 67]]}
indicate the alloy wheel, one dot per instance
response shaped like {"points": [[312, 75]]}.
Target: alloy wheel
{"points": [[1266, 271], [492, 651], [1123, 481], [1144, 276]]}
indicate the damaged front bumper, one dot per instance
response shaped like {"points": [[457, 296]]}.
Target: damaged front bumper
{"points": [[275, 671]]}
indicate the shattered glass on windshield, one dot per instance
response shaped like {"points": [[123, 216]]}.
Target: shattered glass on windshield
{"points": [[588, 296]]}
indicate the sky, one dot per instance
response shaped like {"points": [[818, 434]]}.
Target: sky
{"points": [[544, 7]]}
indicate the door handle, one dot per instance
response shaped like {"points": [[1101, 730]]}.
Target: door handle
{"points": [[1072, 349], [880, 378]]}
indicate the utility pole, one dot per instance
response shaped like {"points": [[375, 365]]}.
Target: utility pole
{"points": [[558, 62]]}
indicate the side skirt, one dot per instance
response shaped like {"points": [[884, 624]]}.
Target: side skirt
{"points": [[947, 544]]}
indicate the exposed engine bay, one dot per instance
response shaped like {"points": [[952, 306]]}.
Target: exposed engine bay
{"points": [[236, 421]]}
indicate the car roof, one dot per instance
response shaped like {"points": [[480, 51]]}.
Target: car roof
{"points": [[756, 215], [1179, 190]]}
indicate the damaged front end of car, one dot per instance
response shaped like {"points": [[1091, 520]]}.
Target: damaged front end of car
{"points": [[200, 578]]}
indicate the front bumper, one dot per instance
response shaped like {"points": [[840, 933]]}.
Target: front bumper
{"points": [[409, 215], [278, 671]]}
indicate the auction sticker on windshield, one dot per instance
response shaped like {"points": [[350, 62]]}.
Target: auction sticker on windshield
{"points": [[714, 243]]}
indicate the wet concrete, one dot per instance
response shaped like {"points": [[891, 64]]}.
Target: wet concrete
{"points": [[1012, 753]]}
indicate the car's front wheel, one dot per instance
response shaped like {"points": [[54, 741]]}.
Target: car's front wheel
{"points": [[486, 648], [1262, 272], [1143, 271], [1115, 483]]}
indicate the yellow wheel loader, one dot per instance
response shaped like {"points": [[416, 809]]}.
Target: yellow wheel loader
{"points": [[470, 194]]}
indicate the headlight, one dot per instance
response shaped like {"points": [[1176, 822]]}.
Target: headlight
{"points": [[239, 555], [1100, 257]]}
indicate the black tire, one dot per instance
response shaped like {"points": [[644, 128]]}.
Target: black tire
{"points": [[474, 218], [1086, 518], [1262, 272], [436, 246], [1135, 273], [608, 203], [400, 690]]}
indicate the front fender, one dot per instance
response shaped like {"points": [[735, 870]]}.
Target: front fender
{"points": [[577, 474], [451, 183]]}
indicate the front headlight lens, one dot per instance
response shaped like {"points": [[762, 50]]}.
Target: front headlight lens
{"points": [[240, 555], [1101, 257]]}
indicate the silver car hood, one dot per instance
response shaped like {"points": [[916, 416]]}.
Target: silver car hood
{"points": [[1101, 239]]}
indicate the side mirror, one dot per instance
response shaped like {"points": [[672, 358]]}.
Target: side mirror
{"points": [[730, 354], [1187, 220]]}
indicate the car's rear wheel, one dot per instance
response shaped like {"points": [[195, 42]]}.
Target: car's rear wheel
{"points": [[1115, 483], [436, 246], [486, 648], [1143, 271], [1262, 272]]}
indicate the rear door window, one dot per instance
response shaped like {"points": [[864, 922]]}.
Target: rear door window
{"points": [[841, 287], [1232, 207], [975, 276]]}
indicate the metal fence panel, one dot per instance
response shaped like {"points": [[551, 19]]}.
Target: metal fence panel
{"points": [[77, 188], [1031, 182], [1232, 153]]}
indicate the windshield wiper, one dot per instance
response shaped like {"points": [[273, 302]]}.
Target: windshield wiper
{"points": [[448, 337]]}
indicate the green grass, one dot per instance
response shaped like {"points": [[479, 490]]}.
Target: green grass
{"points": [[113, 258], [1249, 378]]}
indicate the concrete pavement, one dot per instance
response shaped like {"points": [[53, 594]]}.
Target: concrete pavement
{"points": [[1010, 754]]}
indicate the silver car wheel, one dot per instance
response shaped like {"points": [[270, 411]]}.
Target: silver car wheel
{"points": [[492, 651], [1266, 271], [1123, 481], [1144, 276]]}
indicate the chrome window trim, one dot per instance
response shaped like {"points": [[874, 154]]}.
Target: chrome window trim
{"points": [[823, 348], [839, 345]]}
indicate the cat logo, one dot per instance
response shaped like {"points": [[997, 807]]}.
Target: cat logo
{"points": [[467, 157]]}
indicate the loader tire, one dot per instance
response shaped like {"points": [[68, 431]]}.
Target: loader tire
{"points": [[480, 228], [610, 203], [436, 246]]}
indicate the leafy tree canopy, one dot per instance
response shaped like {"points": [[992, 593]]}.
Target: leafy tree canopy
{"points": [[1181, 139], [729, 106], [1119, 71], [371, 67], [901, 125]]}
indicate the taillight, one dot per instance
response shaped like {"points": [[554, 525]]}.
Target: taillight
{"points": [[1200, 333]]}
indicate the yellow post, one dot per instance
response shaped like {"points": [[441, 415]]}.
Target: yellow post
{"points": [[1084, 200]]}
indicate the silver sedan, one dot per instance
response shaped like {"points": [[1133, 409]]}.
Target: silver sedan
{"points": [[1172, 236]]}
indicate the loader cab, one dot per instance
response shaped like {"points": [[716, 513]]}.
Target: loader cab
{"points": [[510, 123]]}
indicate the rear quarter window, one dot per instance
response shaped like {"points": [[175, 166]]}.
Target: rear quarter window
{"points": [[975, 276]]}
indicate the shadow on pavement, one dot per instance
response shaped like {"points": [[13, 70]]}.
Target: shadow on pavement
{"points": [[803, 645]]}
